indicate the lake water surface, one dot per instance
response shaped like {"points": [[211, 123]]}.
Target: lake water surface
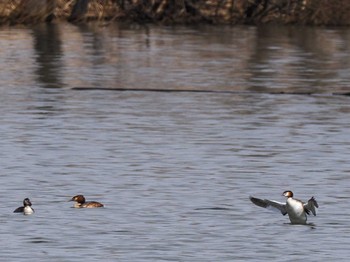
{"points": [[174, 169]]}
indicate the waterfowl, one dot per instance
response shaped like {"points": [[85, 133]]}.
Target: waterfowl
{"points": [[81, 203], [296, 209], [26, 209]]}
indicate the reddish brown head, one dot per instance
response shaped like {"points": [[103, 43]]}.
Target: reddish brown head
{"points": [[287, 193], [78, 198]]}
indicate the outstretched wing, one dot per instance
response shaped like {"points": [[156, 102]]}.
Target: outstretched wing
{"points": [[310, 206], [269, 203]]}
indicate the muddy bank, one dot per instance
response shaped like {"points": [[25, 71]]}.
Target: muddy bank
{"points": [[303, 12]]}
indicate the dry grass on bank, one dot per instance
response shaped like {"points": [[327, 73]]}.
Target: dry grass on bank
{"points": [[311, 12], [326, 12]]}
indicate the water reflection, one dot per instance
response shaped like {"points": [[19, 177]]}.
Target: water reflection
{"points": [[297, 59], [263, 59], [48, 49]]}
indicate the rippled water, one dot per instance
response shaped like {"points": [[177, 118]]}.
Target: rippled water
{"points": [[174, 170]]}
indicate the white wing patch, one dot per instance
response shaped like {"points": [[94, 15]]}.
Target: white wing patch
{"points": [[269, 203]]}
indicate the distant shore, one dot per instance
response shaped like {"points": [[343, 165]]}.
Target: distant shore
{"points": [[299, 12]]}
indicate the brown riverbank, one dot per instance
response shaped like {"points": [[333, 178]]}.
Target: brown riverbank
{"points": [[303, 12]]}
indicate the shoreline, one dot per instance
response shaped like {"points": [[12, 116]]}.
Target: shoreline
{"points": [[187, 12]]}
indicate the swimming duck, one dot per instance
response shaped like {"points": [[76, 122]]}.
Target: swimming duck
{"points": [[81, 203], [26, 209], [296, 209]]}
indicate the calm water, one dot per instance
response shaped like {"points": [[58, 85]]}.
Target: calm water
{"points": [[174, 170]]}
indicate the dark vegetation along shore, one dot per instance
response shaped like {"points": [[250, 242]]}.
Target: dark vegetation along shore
{"points": [[304, 12]]}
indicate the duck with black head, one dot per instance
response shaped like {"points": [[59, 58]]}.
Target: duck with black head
{"points": [[26, 209]]}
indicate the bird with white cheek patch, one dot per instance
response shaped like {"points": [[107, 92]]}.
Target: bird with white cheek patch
{"points": [[297, 210]]}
